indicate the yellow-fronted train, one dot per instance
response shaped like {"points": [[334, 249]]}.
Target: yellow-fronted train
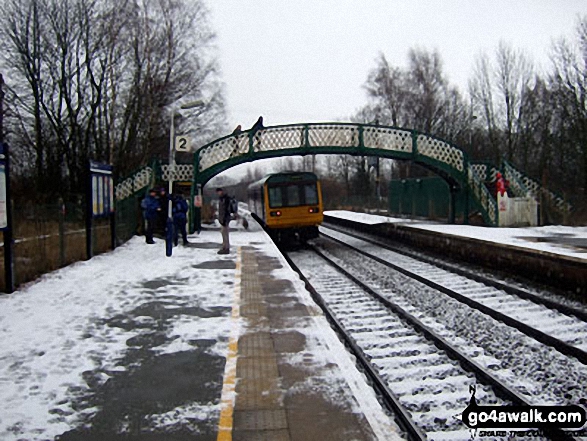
{"points": [[288, 205]]}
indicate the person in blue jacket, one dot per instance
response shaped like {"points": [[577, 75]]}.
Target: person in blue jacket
{"points": [[180, 210], [151, 208]]}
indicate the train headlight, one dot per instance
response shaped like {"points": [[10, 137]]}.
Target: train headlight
{"points": [[313, 210], [275, 213]]}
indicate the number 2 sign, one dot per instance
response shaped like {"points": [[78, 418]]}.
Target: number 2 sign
{"points": [[182, 143]]}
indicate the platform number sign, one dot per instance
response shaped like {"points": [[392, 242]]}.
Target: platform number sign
{"points": [[183, 143], [102, 189]]}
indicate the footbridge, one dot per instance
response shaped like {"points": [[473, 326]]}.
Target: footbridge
{"points": [[447, 160], [440, 156]]}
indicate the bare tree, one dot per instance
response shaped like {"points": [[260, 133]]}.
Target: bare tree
{"points": [[482, 97], [513, 74], [21, 33], [97, 79], [167, 62], [427, 90], [386, 86], [418, 97], [568, 82], [498, 92]]}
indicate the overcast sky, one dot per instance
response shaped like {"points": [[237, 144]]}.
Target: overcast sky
{"points": [[298, 61]]}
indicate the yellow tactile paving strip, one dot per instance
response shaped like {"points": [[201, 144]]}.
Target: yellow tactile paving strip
{"points": [[266, 396], [259, 412], [228, 388]]}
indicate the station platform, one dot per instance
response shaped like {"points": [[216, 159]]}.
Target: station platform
{"points": [[554, 255], [134, 345], [293, 381]]}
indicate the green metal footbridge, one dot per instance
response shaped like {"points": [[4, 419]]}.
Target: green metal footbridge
{"points": [[443, 158]]}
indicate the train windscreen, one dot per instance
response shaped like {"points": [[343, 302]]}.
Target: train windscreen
{"points": [[293, 195], [311, 194], [275, 197]]}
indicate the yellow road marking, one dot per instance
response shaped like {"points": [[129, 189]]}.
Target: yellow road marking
{"points": [[229, 383]]}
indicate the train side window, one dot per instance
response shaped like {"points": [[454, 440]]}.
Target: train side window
{"points": [[293, 196], [275, 197], [311, 194]]}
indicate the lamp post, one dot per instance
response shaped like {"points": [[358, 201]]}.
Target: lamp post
{"points": [[169, 226]]}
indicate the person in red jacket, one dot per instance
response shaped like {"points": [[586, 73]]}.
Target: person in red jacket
{"points": [[501, 184]]}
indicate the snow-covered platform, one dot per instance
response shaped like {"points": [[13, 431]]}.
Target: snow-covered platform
{"points": [[134, 345], [555, 255]]}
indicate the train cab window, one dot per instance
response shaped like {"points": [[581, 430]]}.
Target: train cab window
{"points": [[310, 194], [275, 197], [293, 196]]}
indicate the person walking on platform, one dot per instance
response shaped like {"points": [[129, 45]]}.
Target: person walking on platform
{"points": [[224, 219], [180, 210], [151, 208]]}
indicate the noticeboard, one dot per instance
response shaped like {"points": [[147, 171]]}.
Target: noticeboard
{"points": [[3, 195], [102, 189]]}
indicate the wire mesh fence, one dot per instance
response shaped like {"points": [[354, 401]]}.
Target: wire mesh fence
{"points": [[51, 236]]}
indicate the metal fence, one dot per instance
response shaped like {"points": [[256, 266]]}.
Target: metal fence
{"points": [[51, 236]]}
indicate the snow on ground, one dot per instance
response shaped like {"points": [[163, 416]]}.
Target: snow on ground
{"points": [[556, 239], [70, 332], [58, 328], [324, 345], [370, 219]]}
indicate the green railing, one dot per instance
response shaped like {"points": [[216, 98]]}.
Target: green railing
{"points": [[341, 138], [128, 193], [436, 154]]}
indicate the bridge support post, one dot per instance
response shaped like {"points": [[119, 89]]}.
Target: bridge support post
{"points": [[466, 204], [195, 209], [196, 198], [452, 209], [198, 208]]}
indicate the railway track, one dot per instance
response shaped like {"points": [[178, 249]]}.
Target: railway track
{"points": [[409, 360], [563, 301], [407, 367], [559, 326]]}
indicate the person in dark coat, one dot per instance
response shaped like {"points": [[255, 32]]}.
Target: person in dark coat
{"points": [[180, 210], [162, 214], [254, 132], [224, 219], [235, 142], [258, 125], [151, 208]]}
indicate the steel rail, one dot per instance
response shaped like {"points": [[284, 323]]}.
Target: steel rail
{"points": [[501, 389], [565, 309], [390, 400], [531, 332]]}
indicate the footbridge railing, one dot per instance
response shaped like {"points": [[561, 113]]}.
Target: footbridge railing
{"points": [[137, 181], [436, 154], [128, 193], [523, 185], [346, 138]]}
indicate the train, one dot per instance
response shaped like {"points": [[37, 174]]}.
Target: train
{"points": [[288, 205]]}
